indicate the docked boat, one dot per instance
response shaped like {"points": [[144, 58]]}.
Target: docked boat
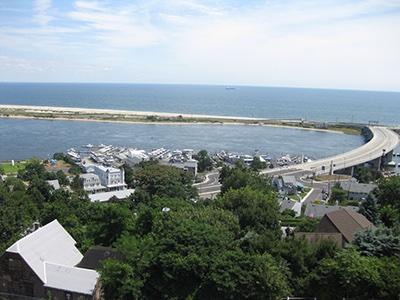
{"points": [[391, 164]]}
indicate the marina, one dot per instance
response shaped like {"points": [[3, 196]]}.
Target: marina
{"points": [[115, 156]]}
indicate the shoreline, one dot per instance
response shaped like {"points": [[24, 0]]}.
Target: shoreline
{"points": [[157, 118]]}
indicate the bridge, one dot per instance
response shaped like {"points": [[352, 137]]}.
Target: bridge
{"points": [[377, 151]]}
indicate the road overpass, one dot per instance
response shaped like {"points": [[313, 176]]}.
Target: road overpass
{"points": [[379, 147]]}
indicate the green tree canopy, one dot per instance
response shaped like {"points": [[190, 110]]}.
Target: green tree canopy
{"points": [[257, 210], [379, 242], [204, 161], [338, 194], [164, 181], [240, 176]]}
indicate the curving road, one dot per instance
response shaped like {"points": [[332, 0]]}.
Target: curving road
{"points": [[383, 140]]}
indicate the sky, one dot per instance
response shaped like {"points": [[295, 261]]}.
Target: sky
{"points": [[295, 43]]}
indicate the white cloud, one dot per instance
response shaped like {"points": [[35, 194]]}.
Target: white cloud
{"points": [[350, 44], [116, 27], [42, 8]]}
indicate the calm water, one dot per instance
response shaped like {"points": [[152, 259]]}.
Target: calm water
{"points": [[25, 138], [21, 139]]}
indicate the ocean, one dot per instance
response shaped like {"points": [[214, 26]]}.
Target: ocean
{"points": [[21, 139]]}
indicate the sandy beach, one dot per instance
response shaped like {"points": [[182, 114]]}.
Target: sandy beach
{"points": [[141, 117]]}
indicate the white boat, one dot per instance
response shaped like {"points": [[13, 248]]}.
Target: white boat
{"points": [[391, 164]]}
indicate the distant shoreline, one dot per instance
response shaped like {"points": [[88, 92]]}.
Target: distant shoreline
{"points": [[143, 117]]}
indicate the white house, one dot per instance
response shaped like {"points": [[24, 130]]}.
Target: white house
{"points": [[111, 178], [91, 183]]}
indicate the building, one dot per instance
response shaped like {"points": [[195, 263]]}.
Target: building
{"points": [[106, 196], [91, 183], [111, 178], [286, 184], [189, 165], [339, 225], [54, 184], [43, 265], [357, 191], [319, 210], [292, 205]]}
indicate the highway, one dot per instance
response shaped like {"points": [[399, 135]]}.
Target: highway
{"points": [[384, 140]]}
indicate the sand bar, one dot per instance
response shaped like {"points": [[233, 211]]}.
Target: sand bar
{"points": [[143, 117]]}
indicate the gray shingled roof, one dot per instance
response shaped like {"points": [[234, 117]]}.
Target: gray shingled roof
{"points": [[320, 210], [355, 187]]}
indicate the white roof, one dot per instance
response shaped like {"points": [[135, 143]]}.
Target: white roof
{"points": [[44, 244], [101, 197], [54, 183], [137, 154], [72, 279], [89, 176], [105, 169], [48, 250]]}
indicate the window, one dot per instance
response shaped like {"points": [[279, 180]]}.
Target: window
{"points": [[14, 265]]}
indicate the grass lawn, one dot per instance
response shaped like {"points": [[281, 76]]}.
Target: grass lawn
{"points": [[332, 177], [9, 169], [304, 192]]}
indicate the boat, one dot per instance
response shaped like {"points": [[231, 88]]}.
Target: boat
{"points": [[391, 164]]}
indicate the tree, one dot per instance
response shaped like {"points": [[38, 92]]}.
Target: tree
{"points": [[118, 280], [17, 213], [338, 194], [366, 175], [389, 287], [238, 275], [389, 215], [347, 275], [257, 210], [173, 258], [239, 177], [300, 258], [378, 242], [76, 183], [257, 164], [129, 175], [369, 208], [204, 161], [75, 170], [163, 181], [62, 178], [388, 192], [112, 222], [33, 168], [306, 224]]}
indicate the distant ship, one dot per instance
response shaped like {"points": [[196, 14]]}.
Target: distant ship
{"points": [[230, 88]]}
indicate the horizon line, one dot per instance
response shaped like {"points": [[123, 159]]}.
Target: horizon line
{"points": [[205, 84]]}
